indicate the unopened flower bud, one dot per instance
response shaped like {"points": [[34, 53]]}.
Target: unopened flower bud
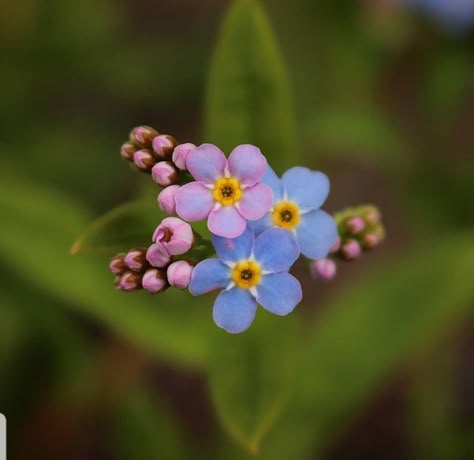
{"points": [[143, 135], [164, 173], [179, 274], [372, 216], [144, 160], [167, 199], [127, 151], [370, 241], [336, 246], [157, 256], [154, 280], [117, 265], [180, 155], [130, 281], [136, 259], [354, 225], [323, 269], [350, 250], [174, 235], [163, 146]]}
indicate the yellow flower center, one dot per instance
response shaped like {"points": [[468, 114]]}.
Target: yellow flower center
{"points": [[286, 215], [246, 274], [227, 191]]}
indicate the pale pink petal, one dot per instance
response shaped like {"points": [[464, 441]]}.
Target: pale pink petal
{"points": [[256, 201], [226, 222], [206, 163], [247, 164], [194, 201]]}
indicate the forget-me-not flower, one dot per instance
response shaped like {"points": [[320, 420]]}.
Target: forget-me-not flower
{"points": [[249, 271], [297, 198]]}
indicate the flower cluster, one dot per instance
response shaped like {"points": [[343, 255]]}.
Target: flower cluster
{"points": [[258, 225]]}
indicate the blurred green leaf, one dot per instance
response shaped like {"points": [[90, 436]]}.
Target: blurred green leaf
{"points": [[248, 93], [369, 330], [126, 226], [250, 376], [37, 229]]}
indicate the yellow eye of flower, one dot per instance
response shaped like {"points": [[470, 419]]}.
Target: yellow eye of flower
{"points": [[246, 274], [286, 215], [227, 191]]}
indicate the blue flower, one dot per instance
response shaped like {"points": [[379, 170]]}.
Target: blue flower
{"points": [[250, 271], [297, 197]]}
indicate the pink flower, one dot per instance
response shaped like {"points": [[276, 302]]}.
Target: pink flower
{"points": [[174, 236], [167, 199], [181, 153], [227, 192], [179, 274], [154, 280], [157, 256]]}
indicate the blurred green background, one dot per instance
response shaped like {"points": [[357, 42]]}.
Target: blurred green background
{"points": [[377, 364]]}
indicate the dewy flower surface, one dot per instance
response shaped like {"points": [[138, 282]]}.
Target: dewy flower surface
{"points": [[297, 197], [249, 271], [227, 191]]}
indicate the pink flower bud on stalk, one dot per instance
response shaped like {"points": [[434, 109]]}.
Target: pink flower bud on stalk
{"points": [[164, 173], [323, 269], [117, 265], [136, 259], [179, 274], [350, 250], [336, 246], [144, 160], [370, 241], [163, 146], [174, 235], [127, 151], [154, 280], [157, 256], [143, 135], [354, 225], [180, 155], [167, 199], [129, 281]]}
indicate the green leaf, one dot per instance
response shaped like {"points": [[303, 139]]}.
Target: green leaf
{"points": [[250, 376], [367, 332], [37, 228], [126, 226], [248, 93]]}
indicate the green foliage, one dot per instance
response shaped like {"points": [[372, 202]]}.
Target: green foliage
{"points": [[248, 93]]}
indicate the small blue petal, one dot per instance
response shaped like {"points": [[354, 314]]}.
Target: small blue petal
{"points": [[208, 275], [279, 293], [234, 310], [234, 249], [308, 189], [316, 233], [260, 225], [276, 250], [274, 182]]}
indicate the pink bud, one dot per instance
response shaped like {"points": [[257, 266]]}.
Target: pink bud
{"points": [[370, 241], [323, 269], [351, 250], [157, 256], [174, 235], [336, 246], [143, 135], [154, 280], [117, 265], [164, 173], [136, 259], [127, 151], [163, 146], [179, 274], [144, 160], [354, 225], [130, 281], [166, 199], [180, 155]]}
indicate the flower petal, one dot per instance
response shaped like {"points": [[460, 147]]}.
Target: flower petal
{"points": [[206, 163], [308, 189], [234, 310], [276, 250], [234, 249], [227, 222], [247, 164], [260, 225], [279, 293], [274, 182], [208, 275], [316, 233], [256, 201], [194, 202]]}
